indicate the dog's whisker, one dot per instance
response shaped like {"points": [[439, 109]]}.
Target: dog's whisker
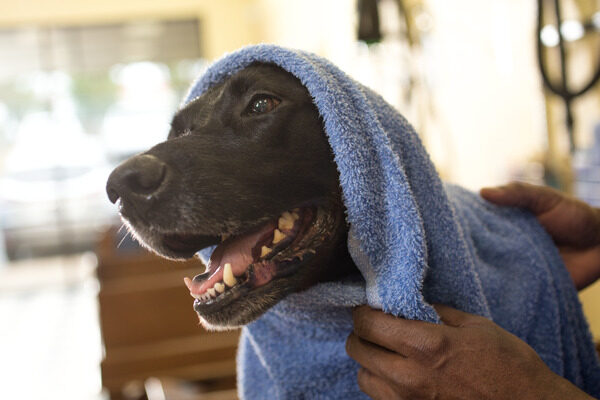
{"points": [[120, 228], [124, 237]]}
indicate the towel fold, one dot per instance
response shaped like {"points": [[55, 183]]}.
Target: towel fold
{"points": [[415, 241]]}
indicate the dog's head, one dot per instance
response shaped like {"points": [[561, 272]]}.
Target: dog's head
{"points": [[246, 167]]}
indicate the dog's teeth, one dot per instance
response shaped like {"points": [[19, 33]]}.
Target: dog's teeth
{"points": [[196, 296], [212, 292], [264, 251], [219, 287], [224, 237], [286, 221], [278, 236], [188, 282], [228, 277]]}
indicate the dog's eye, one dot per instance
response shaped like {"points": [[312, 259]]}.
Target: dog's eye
{"points": [[262, 104]]}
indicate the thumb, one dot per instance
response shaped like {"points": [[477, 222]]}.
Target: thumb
{"points": [[451, 316], [537, 199]]}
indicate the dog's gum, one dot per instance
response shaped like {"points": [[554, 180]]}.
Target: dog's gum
{"points": [[228, 277]]}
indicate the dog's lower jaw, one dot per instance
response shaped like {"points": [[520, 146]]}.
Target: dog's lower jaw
{"points": [[246, 309], [217, 328]]}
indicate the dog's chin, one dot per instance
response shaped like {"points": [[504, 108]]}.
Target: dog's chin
{"points": [[246, 309]]}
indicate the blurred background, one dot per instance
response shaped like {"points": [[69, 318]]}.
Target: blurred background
{"points": [[499, 90]]}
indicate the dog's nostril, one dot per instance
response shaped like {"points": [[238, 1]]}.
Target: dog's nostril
{"points": [[140, 175], [113, 195]]}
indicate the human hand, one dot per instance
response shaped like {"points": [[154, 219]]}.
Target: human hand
{"points": [[573, 225], [469, 357]]}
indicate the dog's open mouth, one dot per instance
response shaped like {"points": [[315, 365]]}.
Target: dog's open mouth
{"points": [[241, 263]]}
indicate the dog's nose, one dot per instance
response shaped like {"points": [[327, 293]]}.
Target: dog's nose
{"points": [[136, 178]]}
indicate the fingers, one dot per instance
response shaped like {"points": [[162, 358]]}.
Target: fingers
{"points": [[376, 387], [376, 359], [384, 373], [402, 336], [537, 199], [583, 265], [451, 316]]}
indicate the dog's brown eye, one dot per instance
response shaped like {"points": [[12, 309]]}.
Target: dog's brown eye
{"points": [[263, 104]]}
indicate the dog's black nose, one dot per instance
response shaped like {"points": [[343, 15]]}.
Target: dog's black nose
{"points": [[136, 178]]}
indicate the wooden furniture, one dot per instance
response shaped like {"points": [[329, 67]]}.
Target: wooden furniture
{"points": [[148, 325]]}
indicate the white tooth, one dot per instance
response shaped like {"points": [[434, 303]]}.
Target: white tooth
{"points": [[264, 251], [278, 236], [286, 221], [228, 277], [188, 282], [224, 237], [219, 287], [295, 216], [212, 292], [196, 296]]}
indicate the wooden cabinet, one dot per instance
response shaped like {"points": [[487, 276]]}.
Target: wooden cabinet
{"points": [[149, 328]]}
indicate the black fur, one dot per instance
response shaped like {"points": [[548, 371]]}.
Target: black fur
{"points": [[226, 169]]}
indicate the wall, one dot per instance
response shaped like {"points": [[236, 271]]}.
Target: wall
{"points": [[225, 24]]}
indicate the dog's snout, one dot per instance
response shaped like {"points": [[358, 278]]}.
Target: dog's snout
{"points": [[136, 178]]}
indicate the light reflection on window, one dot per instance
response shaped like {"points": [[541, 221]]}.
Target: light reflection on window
{"points": [[75, 102]]}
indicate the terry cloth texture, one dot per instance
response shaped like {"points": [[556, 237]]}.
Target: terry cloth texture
{"points": [[415, 241]]}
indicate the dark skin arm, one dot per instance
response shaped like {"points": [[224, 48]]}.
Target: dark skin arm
{"points": [[470, 357]]}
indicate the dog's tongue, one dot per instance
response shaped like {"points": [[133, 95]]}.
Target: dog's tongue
{"points": [[237, 251]]}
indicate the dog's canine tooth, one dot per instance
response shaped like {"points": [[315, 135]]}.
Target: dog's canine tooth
{"points": [[228, 277], [286, 221], [264, 251], [219, 287], [212, 292], [188, 282], [278, 236], [224, 237]]}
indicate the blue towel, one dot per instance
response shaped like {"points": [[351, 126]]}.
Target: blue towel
{"points": [[416, 242]]}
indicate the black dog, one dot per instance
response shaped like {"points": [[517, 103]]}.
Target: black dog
{"points": [[246, 166]]}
